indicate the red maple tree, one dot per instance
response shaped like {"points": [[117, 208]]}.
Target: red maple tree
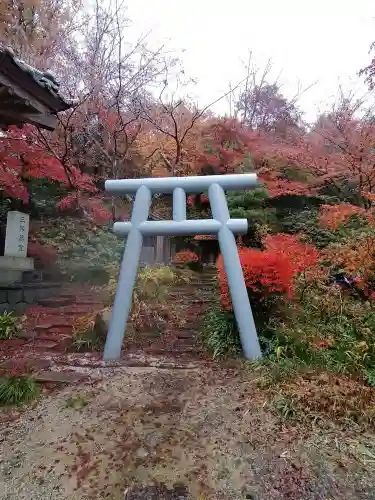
{"points": [[22, 158]]}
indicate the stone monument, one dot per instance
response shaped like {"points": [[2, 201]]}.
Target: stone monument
{"points": [[15, 261]]}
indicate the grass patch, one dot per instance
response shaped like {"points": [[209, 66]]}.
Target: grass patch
{"points": [[85, 336], [285, 407], [17, 390], [319, 363], [219, 334], [324, 395], [8, 325], [327, 331], [87, 341], [76, 402]]}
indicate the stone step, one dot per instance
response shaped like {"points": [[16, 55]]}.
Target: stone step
{"points": [[26, 335], [78, 300], [203, 282], [62, 323], [192, 289], [194, 300], [60, 336], [56, 301], [187, 331], [70, 310], [44, 344], [170, 351], [60, 377], [191, 341]]}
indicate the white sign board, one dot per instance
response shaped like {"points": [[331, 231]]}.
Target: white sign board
{"points": [[17, 234]]}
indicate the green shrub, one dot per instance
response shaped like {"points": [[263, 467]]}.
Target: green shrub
{"points": [[8, 325], [152, 283], [329, 330], [370, 377], [15, 390], [84, 251], [307, 223], [220, 335]]}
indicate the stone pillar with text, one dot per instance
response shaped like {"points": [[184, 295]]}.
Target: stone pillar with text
{"points": [[15, 261]]}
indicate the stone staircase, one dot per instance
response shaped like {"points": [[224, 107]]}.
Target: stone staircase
{"points": [[193, 299], [48, 325], [47, 332]]}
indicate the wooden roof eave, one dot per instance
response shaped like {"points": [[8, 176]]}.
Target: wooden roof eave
{"points": [[36, 94]]}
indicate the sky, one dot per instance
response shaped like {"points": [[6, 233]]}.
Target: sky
{"points": [[323, 41]]}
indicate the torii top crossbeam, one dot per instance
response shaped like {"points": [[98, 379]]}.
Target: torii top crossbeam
{"points": [[195, 184]]}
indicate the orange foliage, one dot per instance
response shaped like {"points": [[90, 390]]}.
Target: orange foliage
{"points": [[265, 273], [356, 258], [184, 257], [332, 216], [205, 237], [300, 255], [340, 147], [272, 270], [223, 146]]}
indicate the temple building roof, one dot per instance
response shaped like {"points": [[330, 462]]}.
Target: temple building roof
{"points": [[28, 95]]}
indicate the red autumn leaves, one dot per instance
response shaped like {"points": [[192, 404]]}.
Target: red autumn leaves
{"points": [[185, 257], [272, 270], [22, 158]]}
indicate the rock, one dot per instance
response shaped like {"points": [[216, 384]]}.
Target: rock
{"points": [[102, 321], [26, 334], [142, 453], [59, 377]]}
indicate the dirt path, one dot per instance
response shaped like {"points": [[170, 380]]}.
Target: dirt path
{"points": [[203, 431]]}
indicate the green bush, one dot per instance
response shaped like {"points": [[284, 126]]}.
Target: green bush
{"points": [[329, 330], [150, 307], [84, 251], [8, 325], [15, 390], [220, 335], [151, 284]]}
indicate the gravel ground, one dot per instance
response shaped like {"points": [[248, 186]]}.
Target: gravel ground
{"points": [[147, 433]]}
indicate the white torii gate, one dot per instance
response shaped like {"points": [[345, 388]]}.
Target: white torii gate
{"points": [[221, 225]]}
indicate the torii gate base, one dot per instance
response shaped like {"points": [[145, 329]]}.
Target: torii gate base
{"points": [[221, 225]]}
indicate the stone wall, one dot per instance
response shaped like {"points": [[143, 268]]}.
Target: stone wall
{"points": [[18, 297]]}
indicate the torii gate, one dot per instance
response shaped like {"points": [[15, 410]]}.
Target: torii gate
{"points": [[221, 225]]}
